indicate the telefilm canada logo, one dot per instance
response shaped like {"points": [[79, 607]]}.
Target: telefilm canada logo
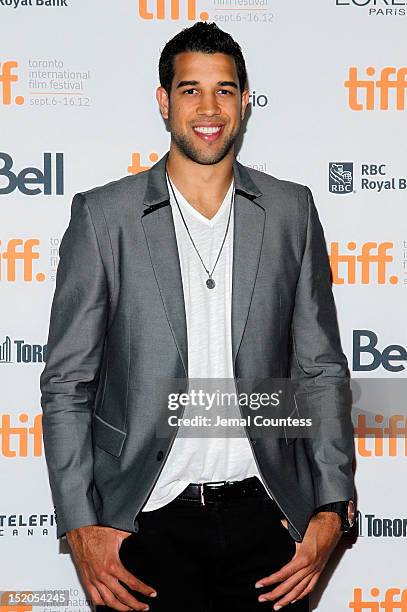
{"points": [[373, 177], [26, 523], [377, 8]]}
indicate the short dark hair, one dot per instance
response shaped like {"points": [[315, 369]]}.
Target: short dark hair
{"points": [[202, 37]]}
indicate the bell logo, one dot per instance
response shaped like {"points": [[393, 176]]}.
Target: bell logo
{"points": [[390, 79], [365, 343], [28, 179], [345, 267], [8, 76], [394, 599], [161, 9]]}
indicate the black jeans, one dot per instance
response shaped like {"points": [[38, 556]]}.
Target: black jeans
{"points": [[208, 558]]}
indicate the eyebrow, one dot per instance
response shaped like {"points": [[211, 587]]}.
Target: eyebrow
{"points": [[219, 83]]}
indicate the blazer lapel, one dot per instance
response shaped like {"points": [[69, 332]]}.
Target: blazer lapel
{"points": [[158, 224], [249, 220], [161, 239]]}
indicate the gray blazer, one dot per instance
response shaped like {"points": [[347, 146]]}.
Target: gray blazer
{"points": [[118, 325]]}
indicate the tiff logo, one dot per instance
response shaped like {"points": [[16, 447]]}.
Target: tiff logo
{"points": [[136, 164], [370, 87], [26, 254], [379, 433], [163, 9], [7, 77], [388, 604], [344, 266], [15, 440]]}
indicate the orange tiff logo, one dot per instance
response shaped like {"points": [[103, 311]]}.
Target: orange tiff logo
{"points": [[393, 599], [15, 440], [8, 77], [23, 250], [346, 267], [136, 164], [15, 608], [381, 440], [161, 9], [364, 93]]}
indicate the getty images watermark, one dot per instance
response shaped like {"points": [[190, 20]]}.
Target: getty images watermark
{"points": [[327, 408], [206, 403], [225, 407]]}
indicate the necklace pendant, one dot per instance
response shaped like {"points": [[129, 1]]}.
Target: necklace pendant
{"points": [[210, 283]]}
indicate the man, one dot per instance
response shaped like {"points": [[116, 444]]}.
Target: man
{"points": [[199, 268]]}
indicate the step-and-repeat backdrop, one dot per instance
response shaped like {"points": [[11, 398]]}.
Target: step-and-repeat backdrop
{"points": [[328, 91]]}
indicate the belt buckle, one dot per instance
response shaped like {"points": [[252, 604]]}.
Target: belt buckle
{"points": [[201, 489], [213, 485]]}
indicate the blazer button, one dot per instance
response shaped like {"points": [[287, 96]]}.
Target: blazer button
{"points": [[160, 455]]}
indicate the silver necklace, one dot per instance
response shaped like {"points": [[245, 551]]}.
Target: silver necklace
{"points": [[210, 283]]}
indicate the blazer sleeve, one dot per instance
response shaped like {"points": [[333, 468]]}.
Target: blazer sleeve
{"points": [[69, 379], [319, 368]]}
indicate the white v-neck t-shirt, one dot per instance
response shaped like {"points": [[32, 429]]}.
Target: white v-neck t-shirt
{"points": [[209, 458]]}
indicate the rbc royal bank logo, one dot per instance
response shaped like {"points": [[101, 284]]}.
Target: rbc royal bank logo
{"points": [[341, 177]]}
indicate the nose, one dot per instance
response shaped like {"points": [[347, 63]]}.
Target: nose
{"points": [[208, 105]]}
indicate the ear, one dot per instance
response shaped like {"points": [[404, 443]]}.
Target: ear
{"points": [[163, 101], [245, 102]]}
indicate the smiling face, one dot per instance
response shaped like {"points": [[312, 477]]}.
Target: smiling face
{"points": [[206, 106]]}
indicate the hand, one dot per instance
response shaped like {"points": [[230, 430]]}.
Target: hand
{"points": [[95, 550], [299, 576]]}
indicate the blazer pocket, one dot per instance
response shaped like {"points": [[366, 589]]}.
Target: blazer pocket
{"points": [[107, 436]]}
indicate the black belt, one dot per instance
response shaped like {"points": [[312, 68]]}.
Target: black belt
{"points": [[208, 492]]}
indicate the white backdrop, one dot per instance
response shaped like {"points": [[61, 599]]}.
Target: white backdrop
{"points": [[77, 104]]}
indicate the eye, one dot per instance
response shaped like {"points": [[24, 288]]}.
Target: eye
{"points": [[222, 90]]}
